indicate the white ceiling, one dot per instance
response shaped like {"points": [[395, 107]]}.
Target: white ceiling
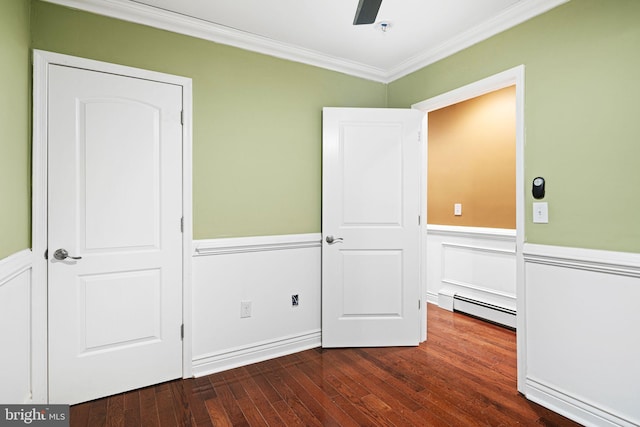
{"points": [[320, 32]]}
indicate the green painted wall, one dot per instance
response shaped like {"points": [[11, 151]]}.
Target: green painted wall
{"points": [[582, 115], [257, 119], [15, 125]]}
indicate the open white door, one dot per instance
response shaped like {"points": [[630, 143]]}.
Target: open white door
{"points": [[115, 203], [370, 227]]}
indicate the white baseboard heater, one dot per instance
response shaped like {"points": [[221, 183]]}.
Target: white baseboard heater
{"points": [[493, 313]]}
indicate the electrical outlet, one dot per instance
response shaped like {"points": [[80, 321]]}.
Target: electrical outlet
{"points": [[294, 300], [457, 209], [245, 309]]}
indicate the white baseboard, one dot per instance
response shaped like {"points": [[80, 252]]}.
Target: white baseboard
{"points": [[432, 298], [572, 408], [259, 352]]}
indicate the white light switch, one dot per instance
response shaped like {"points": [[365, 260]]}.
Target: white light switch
{"points": [[541, 213], [457, 209]]}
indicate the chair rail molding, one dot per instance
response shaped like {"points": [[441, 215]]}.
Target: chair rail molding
{"points": [[470, 232], [620, 263], [256, 244]]}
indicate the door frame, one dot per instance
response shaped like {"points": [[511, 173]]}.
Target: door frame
{"points": [[510, 77], [39, 217]]}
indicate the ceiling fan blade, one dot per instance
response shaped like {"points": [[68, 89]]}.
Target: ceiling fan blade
{"points": [[367, 12]]}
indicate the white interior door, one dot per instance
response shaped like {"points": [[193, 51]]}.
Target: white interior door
{"points": [[370, 226], [115, 200]]}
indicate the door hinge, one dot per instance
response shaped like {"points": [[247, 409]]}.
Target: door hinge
{"points": [[182, 225], [182, 117], [418, 304], [419, 219], [182, 331], [46, 254]]}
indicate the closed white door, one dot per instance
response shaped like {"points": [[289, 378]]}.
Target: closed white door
{"points": [[370, 227], [115, 203]]}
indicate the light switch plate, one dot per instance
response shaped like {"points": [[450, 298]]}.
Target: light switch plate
{"points": [[457, 209], [541, 213]]}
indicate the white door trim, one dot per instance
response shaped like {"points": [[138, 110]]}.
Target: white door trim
{"points": [[41, 62], [513, 76]]}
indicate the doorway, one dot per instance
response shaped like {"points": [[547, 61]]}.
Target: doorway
{"points": [[511, 77]]}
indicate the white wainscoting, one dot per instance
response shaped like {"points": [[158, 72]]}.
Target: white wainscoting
{"points": [[266, 271], [478, 263], [582, 333], [15, 328]]}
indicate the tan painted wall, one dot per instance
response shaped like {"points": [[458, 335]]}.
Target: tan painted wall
{"points": [[472, 162]]}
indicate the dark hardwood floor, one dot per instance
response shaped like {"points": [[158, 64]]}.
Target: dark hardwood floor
{"points": [[464, 375]]}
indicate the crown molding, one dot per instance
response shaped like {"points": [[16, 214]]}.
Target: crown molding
{"points": [[511, 17], [175, 22], [166, 20]]}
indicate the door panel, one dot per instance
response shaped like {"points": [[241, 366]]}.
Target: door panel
{"points": [[372, 283], [115, 200], [372, 170], [107, 148], [133, 318], [371, 204]]}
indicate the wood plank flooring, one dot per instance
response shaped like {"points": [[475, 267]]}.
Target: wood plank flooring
{"points": [[464, 375]]}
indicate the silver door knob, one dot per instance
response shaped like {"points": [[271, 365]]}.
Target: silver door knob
{"points": [[62, 254], [331, 240]]}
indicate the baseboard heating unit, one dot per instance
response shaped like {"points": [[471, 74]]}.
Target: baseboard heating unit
{"points": [[493, 313]]}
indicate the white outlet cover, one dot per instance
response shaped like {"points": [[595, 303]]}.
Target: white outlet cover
{"points": [[457, 209], [245, 309]]}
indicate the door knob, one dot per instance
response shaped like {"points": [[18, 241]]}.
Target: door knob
{"points": [[331, 240], [62, 254]]}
